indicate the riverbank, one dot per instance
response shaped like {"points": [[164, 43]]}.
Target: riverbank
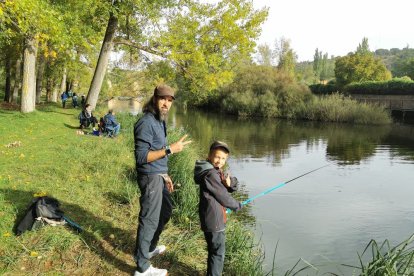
{"points": [[94, 179]]}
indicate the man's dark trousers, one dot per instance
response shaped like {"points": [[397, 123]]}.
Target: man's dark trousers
{"points": [[156, 210], [216, 247]]}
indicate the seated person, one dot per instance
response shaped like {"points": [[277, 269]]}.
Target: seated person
{"points": [[111, 124], [86, 117]]}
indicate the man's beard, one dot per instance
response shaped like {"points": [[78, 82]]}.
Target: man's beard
{"points": [[163, 115]]}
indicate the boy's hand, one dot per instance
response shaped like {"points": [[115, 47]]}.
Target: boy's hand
{"points": [[225, 180]]}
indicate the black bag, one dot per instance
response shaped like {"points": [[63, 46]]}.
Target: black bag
{"points": [[48, 207], [44, 207]]}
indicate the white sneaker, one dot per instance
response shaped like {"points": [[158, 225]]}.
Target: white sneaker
{"points": [[158, 250], [152, 271]]}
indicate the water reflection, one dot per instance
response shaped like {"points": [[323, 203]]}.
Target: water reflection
{"points": [[258, 138]]}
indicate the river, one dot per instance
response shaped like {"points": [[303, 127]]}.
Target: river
{"points": [[327, 216]]}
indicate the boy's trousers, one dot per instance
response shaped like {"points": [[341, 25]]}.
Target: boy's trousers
{"points": [[216, 246]]}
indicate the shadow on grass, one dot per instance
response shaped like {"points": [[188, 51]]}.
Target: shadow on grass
{"points": [[54, 111], [7, 111], [71, 127], [104, 247]]}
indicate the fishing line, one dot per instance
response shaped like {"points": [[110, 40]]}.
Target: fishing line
{"points": [[228, 211]]}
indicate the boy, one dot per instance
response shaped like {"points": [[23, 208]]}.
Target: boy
{"points": [[214, 199]]}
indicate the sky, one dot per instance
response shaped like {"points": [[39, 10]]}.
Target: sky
{"points": [[337, 27]]}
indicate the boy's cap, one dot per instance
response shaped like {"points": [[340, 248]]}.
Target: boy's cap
{"points": [[219, 144], [164, 90]]}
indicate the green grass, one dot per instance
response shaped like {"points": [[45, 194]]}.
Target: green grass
{"points": [[387, 260], [94, 179]]}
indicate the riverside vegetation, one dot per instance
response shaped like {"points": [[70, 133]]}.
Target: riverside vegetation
{"points": [[94, 179], [267, 92]]}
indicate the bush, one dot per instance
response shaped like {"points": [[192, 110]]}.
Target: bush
{"points": [[338, 108], [265, 92], [396, 86], [323, 88]]}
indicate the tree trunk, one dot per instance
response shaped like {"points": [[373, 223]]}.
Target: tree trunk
{"points": [[39, 78], [49, 89], [55, 93], [102, 64], [17, 79], [29, 76], [63, 83], [7, 87]]}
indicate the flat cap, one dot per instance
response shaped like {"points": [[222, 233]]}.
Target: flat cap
{"points": [[164, 90], [219, 144]]}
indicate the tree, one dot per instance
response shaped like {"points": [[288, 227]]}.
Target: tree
{"points": [[203, 42], [103, 59], [360, 67], [58, 30], [286, 57], [317, 63], [265, 55], [363, 47]]}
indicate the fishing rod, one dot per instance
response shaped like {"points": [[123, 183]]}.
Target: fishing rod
{"points": [[228, 211]]}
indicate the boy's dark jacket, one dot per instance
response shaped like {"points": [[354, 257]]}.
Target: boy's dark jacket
{"points": [[214, 197]]}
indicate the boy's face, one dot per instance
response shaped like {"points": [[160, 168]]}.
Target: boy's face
{"points": [[218, 158]]}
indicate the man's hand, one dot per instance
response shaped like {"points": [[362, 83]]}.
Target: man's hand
{"points": [[179, 145], [169, 184]]}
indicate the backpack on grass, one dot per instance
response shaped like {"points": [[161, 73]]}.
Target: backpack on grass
{"points": [[43, 210]]}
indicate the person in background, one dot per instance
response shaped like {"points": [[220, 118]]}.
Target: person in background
{"points": [[75, 100], [111, 124], [214, 199], [83, 101], [64, 98], [86, 117], [151, 154]]}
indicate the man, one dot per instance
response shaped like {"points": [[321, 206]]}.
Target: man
{"points": [[151, 155], [112, 127]]}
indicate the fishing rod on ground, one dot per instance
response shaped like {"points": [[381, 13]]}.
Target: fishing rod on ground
{"points": [[228, 211]]}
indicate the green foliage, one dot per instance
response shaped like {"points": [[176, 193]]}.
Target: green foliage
{"points": [[337, 108], [286, 57], [363, 47], [398, 61], [387, 260], [265, 55], [243, 256], [360, 67], [323, 88], [305, 73], [206, 41], [263, 91], [266, 92], [396, 86]]}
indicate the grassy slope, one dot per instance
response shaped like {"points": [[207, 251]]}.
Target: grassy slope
{"points": [[93, 178]]}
